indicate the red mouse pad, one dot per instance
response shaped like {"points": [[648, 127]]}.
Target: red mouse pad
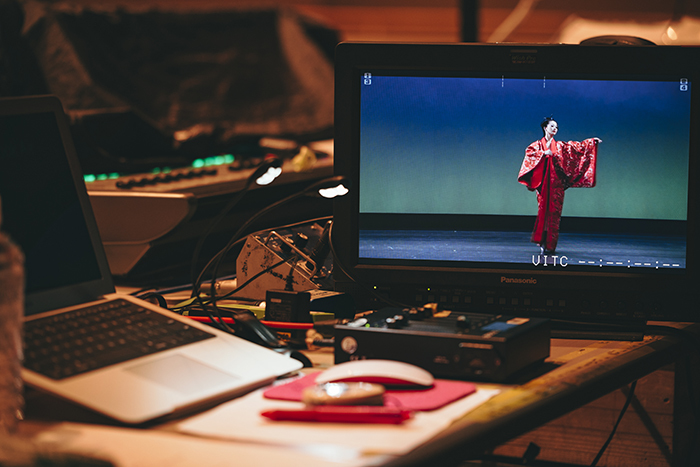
{"points": [[441, 393]]}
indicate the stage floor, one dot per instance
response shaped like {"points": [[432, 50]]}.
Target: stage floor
{"points": [[580, 249]]}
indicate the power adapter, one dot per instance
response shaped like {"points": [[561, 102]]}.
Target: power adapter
{"points": [[287, 306]]}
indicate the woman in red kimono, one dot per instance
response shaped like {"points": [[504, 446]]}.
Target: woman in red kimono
{"points": [[550, 167]]}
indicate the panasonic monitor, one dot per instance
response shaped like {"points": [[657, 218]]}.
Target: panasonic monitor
{"points": [[556, 181]]}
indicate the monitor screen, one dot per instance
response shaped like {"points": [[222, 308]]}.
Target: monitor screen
{"points": [[549, 180]]}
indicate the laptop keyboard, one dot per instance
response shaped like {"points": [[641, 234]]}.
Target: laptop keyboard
{"points": [[97, 336]]}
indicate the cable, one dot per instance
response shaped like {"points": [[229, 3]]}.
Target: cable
{"points": [[245, 324], [154, 295], [200, 243], [619, 419], [196, 285], [693, 342], [213, 312], [688, 339], [200, 300], [255, 276], [269, 162], [239, 234], [243, 228]]}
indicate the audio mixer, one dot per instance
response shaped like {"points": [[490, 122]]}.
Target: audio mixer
{"points": [[448, 344], [150, 222]]}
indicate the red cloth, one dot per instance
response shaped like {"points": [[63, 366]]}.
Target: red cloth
{"points": [[571, 165], [441, 393]]}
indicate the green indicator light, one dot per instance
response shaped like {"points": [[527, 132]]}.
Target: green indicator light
{"points": [[156, 170], [367, 325], [102, 177], [167, 170], [89, 178], [213, 160], [113, 176]]}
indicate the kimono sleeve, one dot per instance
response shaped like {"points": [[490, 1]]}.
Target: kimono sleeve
{"points": [[578, 163], [531, 169]]}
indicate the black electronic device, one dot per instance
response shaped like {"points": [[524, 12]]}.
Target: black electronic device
{"points": [[432, 136], [472, 346]]}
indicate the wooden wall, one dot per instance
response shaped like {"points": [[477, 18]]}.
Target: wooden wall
{"points": [[439, 20]]}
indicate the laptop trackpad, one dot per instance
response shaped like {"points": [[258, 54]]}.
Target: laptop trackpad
{"points": [[181, 374]]}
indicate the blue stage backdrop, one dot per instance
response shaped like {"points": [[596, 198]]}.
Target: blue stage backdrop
{"points": [[455, 145]]}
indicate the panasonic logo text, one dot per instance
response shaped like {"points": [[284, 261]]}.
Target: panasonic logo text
{"points": [[517, 280]]}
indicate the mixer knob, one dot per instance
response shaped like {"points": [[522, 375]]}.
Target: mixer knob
{"points": [[300, 240], [400, 321], [463, 322]]}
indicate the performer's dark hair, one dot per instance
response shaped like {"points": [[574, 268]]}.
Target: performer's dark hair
{"points": [[545, 122]]}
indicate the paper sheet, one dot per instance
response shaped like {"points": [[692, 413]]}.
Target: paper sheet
{"points": [[126, 447], [331, 443], [235, 434]]}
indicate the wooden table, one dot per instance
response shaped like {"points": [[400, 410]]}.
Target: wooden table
{"points": [[577, 372]]}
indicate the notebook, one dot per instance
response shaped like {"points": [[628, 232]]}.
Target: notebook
{"points": [[46, 211]]}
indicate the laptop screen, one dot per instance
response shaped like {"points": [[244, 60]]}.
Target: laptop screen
{"points": [[42, 207]]}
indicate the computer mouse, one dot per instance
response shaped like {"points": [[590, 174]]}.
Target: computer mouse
{"points": [[385, 372]]}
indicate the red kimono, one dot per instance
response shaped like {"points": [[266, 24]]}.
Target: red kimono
{"points": [[571, 165]]}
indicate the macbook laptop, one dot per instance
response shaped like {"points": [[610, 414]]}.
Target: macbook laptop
{"points": [[113, 353]]}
